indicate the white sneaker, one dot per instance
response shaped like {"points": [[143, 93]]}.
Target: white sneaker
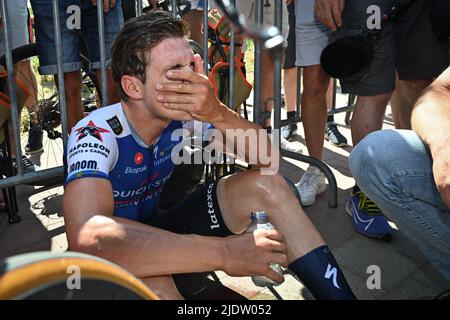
{"points": [[310, 185], [293, 146]]}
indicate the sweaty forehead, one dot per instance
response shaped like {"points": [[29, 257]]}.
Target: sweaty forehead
{"points": [[172, 51]]}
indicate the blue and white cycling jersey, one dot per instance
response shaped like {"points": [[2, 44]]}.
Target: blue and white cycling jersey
{"points": [[104, 145]]}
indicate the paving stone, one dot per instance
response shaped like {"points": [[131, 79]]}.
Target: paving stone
{"points": [[357, 254], [30, 231], [411, 289], [428, 275], [8, 241]]}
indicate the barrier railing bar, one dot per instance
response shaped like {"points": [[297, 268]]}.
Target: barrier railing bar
{"points": [[59, 63], [231, 73], [257, 72], [139, 8], [101, 38], [299, 90], [174, 8], [32, 177], [205, 36], [278, 16], [12, 89]]}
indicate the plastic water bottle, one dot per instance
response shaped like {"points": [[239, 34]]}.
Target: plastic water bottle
{"points": [[260, 222]]}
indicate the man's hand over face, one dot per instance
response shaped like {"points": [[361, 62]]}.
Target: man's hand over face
{"points": [[191, 92], [329, 12]]}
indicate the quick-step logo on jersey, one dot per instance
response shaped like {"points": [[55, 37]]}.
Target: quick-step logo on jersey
{"points": [[332, 272], [146, 192], [91, 130]]}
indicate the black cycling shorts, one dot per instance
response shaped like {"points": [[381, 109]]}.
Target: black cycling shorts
{"points": [[199, 214]]}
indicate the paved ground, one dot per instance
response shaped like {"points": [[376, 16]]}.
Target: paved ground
{"points": [[405, 273]]}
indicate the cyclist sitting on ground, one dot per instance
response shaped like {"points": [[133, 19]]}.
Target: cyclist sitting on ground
{"points": [[119, 158]]}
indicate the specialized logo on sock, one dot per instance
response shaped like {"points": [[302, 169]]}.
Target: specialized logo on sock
{"points": [[332, 272]]}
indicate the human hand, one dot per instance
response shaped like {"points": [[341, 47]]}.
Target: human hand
{"points": [[441, 172], [107, 4], [191, 92], [252, 253], [288, 2], [329, 12]]}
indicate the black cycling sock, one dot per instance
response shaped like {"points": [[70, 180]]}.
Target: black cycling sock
{"points": [[320, 273], [330, 118], [291, 114]]}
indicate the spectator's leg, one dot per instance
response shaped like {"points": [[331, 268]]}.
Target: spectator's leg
{"points": [[113, 21], [368, 115], [403, 99], [113, 94], [314, 108], [290, 88], [72, 83], [394, 169], [308, 255], [194, 18]]}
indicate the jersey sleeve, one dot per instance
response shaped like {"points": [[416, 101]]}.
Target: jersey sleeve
{"points": [[91, 150]]}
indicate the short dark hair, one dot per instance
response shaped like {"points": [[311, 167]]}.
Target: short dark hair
{"points": [[131, 49]]}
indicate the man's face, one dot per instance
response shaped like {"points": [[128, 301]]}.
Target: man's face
{"points": [[170, 54]]}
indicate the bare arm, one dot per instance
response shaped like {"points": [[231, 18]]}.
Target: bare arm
{"points": [[329, 12], [431, 121], [147, 251]]}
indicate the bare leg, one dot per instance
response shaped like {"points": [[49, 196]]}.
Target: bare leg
{"points": [[290, 88], [72, 83], [308, 256], [113, 95], [25, 76], [368, 115], [266, 86], [314, 108], [272, 194], [164, 287], [329, 96], [403, 99], [194, 18]]}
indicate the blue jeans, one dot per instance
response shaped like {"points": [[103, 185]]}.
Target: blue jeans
{"points": [[71, 37], [394, 169]]}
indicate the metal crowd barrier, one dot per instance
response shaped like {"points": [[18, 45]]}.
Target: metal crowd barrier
{"points": [[57, 172]]}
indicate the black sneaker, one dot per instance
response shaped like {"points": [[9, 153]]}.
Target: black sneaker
{"points": [[28, 166], [34, 144], [333, 135]]}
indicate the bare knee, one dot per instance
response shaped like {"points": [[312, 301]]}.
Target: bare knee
{"points": [[271, 189]]}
